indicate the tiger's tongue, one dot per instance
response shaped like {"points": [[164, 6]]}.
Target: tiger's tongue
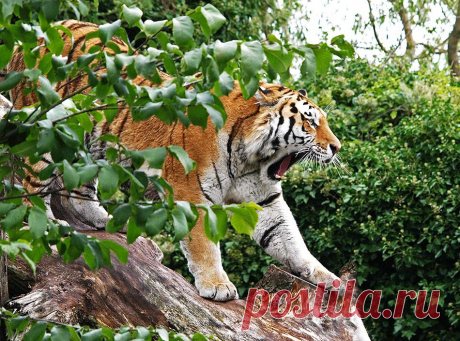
{"points": [[284, 166]]}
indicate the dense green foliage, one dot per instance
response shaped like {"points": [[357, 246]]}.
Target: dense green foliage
{"points": [[245, 20], [42, 330], [395, 212]]}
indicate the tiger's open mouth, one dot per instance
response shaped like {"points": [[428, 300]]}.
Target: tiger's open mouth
{"points": [[280, 167]]}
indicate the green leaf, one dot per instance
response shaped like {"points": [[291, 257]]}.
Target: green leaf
{"points": [[117, 249], [37, 201], [25, 148], [19, 323], [252, 58], [343, 45], [244, 219], [46, 92], [132, 15], [112, 71], [45, 141], [323, 60], [79, 240], [85, 122], [224, 52], [107, 31], [198, 115], [50, 9], [37, 222], [121, 214], [183, 31], [133, 231], [226, 83], [210, 19], [156, 222], [180, 224], [108, 179], [8, 7], [155, 157], [249, 86], [93, 335], [54, 41], [217, 117], [153, 27], [87, 173], [210, 225], [5, 55], [213, 17], [147, 111], [5, 208], [5, 171], [36, 332], [308, 67], [278, 57], [191, 61], [93, 256], [182, 156], [11, 80], [14, 217], [60, 333], [71, 177]]}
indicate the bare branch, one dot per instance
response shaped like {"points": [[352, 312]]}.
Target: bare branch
{"points": [[452, 46], [372, 18]]}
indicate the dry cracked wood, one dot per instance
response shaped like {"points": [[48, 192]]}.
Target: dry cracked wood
{"points": [[144, 292]]}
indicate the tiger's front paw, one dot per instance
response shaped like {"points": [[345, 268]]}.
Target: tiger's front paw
{"points": [[317, 274], [217, 290]]}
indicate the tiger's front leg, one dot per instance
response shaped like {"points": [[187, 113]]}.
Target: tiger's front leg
{"points": [[204, 262], [277, 233]]}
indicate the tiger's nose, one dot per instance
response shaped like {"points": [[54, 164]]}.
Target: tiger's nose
{"points": [[335, 147]]}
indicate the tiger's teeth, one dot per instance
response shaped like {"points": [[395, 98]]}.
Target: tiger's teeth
{"points": [[280, 177]]}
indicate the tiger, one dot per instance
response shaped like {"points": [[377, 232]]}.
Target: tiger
{"points": [[245, 161]]}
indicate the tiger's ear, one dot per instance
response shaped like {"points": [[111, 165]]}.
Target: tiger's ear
{"points": [[265, 97], [264, 91], [303, 92]]}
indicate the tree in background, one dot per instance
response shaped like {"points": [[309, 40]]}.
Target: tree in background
{"points": [[415, 14]]}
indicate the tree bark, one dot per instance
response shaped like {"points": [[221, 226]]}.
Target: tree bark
{"points": [[452, 46], [144, 293], [407, 25]]}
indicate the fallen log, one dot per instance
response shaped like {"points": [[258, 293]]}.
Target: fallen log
{"points": [[144, 293]]}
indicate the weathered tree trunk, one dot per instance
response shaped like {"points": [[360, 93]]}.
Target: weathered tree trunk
{"points": [[407, 25], [144, 292], [452, 46], [3, 287]]}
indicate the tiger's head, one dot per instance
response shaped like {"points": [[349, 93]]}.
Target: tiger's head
{"points": [[289, 128]]}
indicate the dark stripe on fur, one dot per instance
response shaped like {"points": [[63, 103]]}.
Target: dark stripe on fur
{"points": [[90, 187], [232, 136], [291, 125], [82, 194], [217, 176], [268, 235], [269, 200], [206, 195]]}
